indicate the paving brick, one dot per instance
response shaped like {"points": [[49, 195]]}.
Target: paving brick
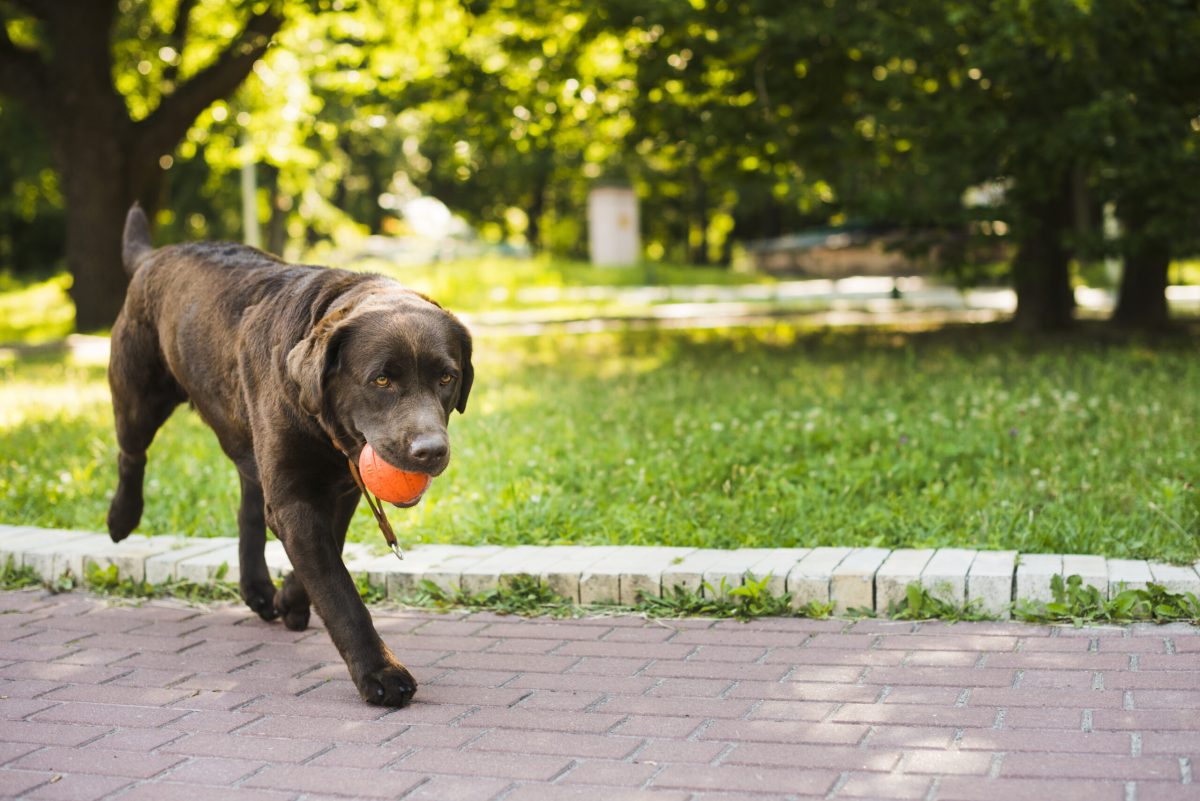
{"points": [[532, 767], [339, 781], [1034, 572], [1051, 742], [78, 787], [745, 778], [17, 782], [613, 774], [873, 786], [98, 760], [64, 734], [901, 568], [237, 746], [556, 743], [175, 791], [990, 582], [775, 731], [809, 580], [913, 715], [544, 792], [944, 763], [1087, 766], [810, 756], [592, 722], [458, 788], [217, 771], [1129, 574], [852, 582], [972, 788]]}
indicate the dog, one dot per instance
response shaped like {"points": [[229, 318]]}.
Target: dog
{"points": [[295, 368]]}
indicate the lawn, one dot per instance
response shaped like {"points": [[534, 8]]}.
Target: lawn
{"points": [[775, 436]]}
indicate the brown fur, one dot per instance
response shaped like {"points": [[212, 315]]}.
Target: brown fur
{"points": [[281, 361]]}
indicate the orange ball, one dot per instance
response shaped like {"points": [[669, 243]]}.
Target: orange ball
{"points": [[390, 483]]}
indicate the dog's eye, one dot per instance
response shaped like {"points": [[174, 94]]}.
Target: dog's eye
{"points": [[445, 379], [382, 381]]}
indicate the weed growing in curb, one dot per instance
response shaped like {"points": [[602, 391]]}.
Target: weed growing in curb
{"points": [[520, 595], [18, 578], [1078, 604], [920, 604], [107, 581]]}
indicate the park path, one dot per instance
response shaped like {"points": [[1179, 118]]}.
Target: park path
{"points": [[161, 700]]}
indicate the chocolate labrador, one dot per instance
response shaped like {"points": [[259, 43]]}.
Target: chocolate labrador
{"points": [[295, 368]]}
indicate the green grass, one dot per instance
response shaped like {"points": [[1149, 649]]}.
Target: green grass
{"points": [[36, 310], [753, 437]]}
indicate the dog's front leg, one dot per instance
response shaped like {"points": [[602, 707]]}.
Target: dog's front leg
{"points": [[304, 523]]}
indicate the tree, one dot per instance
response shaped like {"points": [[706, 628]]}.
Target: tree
{"points": [[56, 60]]}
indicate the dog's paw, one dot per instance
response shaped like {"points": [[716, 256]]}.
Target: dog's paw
{"points": [[392, 685], [292, 604], [260, 597], [124, 514]]}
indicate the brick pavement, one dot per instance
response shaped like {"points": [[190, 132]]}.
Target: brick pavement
{"points": [[164, 701]]}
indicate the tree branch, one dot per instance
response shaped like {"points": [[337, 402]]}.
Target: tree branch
{"points": [[178, 39], [23, 76], [159, 132]]}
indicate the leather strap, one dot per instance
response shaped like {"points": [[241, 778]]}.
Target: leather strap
{"points": [[376, 505]]}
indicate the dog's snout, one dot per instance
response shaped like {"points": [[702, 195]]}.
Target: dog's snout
{"points": [[429, 450]]}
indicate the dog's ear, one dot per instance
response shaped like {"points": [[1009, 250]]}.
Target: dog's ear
{"points": [[468, 369], [309, 362]]}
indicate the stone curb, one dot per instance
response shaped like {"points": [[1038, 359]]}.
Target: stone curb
{"points": [[845, 577]]}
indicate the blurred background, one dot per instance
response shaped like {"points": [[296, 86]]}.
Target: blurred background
{"points": [[1044, 145]]}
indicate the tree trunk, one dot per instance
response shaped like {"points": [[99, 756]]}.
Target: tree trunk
{"points": [[1041, 268], [1142, 298], [96, 202]]}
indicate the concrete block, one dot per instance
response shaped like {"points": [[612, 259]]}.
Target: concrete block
{"points": [[689, 571], [1092, 570], [53, 559], [1033, 576], [441, 564], [162, 567], [502, 566], [852, 584], [811, 578], [205, 566], [901, 568], [563, 576], [774, 564], [1127, 574], [945, 576], [626, 572], [19, 539], [1176, 578], [990, 582]]}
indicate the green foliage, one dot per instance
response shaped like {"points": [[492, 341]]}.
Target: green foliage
{"points": [[746, 601], [370, 593], [13, 577], [1077, 603], [520, 595], [921, 604], [107, 581]]}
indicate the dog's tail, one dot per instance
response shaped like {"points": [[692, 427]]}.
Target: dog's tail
{"points": [[135, 243]]}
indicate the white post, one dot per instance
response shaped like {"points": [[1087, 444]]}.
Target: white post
{"points": [[250, 232]]}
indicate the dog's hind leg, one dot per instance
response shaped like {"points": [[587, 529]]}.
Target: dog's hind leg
{"points": [[258, 591], [292, 600], [143, 396]]}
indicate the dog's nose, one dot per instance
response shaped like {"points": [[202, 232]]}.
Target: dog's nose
{"points": [[429, 450]]}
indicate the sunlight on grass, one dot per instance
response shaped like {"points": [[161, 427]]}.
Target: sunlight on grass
{"points": [[746, 437], [36, 312]]}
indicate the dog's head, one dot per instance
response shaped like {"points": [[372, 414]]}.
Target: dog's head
{"points": [[387, 366]]}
